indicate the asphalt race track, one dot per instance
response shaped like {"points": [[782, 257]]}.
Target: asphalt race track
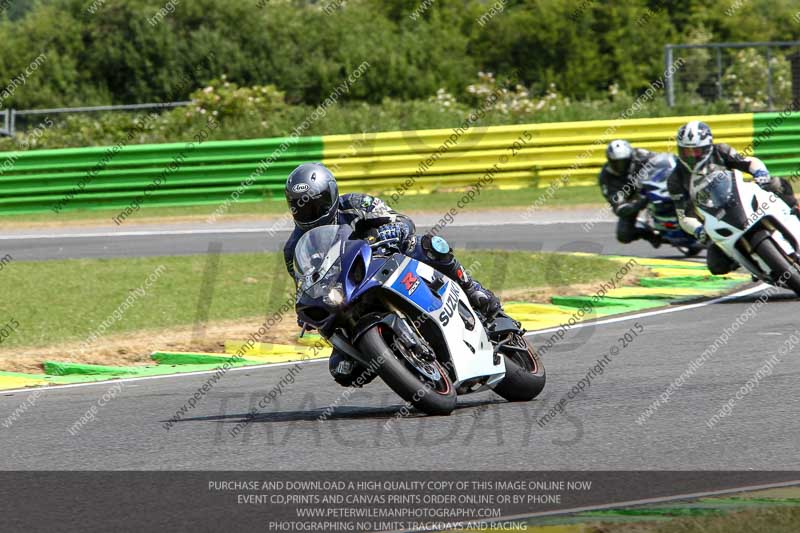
{"points": [[598, 430], [554, 231]]}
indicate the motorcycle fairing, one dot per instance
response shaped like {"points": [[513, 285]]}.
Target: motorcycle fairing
{"points": [[661, 208], [471, 352], [752, 205], [409, 283]]}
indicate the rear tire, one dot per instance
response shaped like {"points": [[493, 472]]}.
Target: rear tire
{"points": [[773, 256], [525, 375], [433, 400]]}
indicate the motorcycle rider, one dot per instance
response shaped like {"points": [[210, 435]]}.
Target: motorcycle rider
{"points": [[313, 198], [696, 151], [620, 182]]}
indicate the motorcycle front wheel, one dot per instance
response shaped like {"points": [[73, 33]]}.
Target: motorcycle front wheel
{"points": [[773, 256], [424, 385]]}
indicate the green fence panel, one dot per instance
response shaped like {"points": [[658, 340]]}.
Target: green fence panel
{"points": [[173, 173], [776, 141]]}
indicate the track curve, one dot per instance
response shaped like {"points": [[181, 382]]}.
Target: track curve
{"points": [[597, 431]]}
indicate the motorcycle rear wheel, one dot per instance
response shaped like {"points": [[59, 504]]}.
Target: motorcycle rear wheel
{"points": [[525, 375], [433, 398]]}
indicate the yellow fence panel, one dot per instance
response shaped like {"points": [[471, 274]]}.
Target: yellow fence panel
{"points": [[531, 155]]}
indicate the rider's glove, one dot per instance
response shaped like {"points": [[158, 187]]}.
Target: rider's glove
{"points": [[393, 230], [700, 235], [761, 177]]}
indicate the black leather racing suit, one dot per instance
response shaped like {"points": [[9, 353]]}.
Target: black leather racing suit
{"points": [[364, 212], [722, 155], [623, 195]]}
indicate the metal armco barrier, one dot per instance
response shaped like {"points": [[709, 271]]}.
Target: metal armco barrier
{"points": [[569, 153], [95, 178]]}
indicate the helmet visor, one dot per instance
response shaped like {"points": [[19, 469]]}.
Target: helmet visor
{"points": [[306, 209], [619, 166], [691, 155]]}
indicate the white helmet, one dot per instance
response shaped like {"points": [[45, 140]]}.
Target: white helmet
{"points": [[695, 144], [619, 154]]}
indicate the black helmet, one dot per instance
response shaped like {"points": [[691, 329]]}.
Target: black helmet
{"points": [[312, 195]]}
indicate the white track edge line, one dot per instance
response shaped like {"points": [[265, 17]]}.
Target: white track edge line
{"points": [[655, 312], [211, 231], [152, 233], [142, 378], [536, 332]]}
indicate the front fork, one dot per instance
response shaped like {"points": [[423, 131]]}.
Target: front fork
{"points": [[405, 334]]}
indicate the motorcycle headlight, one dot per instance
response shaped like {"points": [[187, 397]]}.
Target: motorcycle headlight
{"points": [[335, 296]]}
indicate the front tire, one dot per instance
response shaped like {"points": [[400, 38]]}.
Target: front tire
{"points": [[433, 398], [525, 375], [774, 257]]}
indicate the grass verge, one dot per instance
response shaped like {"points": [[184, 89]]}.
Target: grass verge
{"points": [[772, 520], [114, 311]]}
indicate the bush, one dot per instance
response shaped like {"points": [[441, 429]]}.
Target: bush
{"points": [[118, 54], [745, 81], [262, 111]]}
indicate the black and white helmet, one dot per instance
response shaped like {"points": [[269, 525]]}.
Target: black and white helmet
{"points": [[695, 144], [312, 195], [619, 154]]}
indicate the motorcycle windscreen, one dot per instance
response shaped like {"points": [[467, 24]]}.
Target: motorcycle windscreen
{"points": [[656, 171], [714, 191], [654, 174], [317, 258], [653, 179]]}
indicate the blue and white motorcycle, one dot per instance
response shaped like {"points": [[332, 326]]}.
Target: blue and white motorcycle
{"points": [[660, 214], [410, 323]]}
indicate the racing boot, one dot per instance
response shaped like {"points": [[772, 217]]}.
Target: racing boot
{"points": [[347, 372], [482, 299], [648, 234], [653, 238]]}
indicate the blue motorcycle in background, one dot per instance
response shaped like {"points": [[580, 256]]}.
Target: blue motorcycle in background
{"points": [[660, 214], [410, 323]]}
